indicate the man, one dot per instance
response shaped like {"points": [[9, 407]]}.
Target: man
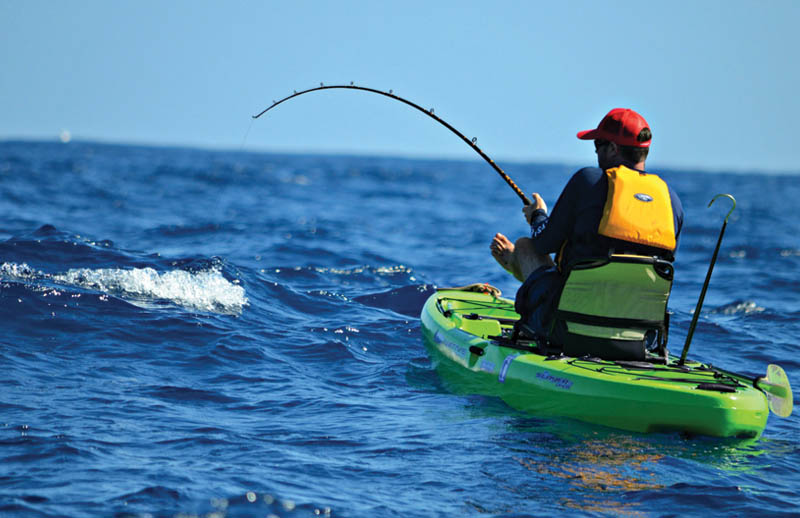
{"points": [[590, 220]]}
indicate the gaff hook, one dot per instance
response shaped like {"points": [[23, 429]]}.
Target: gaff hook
{"points": [[708, 278]]}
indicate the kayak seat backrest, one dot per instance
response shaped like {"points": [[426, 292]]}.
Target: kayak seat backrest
{"points": [[614, 308]]}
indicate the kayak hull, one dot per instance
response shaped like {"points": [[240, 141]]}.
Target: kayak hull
{"points": [[461, 331]]}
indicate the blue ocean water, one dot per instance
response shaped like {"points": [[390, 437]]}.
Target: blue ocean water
{"points": [[230, 334]]}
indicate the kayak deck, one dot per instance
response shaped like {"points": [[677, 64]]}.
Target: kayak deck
{"points": [[468, 335]]}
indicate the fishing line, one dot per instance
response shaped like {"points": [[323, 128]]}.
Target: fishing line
{"points": [[429, 112], [246, 134]]}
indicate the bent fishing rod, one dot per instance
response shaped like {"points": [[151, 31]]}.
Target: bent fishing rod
{"points": [[390, 94]]}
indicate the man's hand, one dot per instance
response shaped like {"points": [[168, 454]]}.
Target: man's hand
{"points": [[536, 204]]}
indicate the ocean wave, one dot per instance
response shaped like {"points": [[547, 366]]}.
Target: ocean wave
{"points": [[206, 290], [738, 307]]}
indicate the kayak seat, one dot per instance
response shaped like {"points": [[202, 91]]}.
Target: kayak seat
{"points": [[614, 308]]}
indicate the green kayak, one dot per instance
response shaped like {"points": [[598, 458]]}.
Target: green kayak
{"points": [[469, 337]]}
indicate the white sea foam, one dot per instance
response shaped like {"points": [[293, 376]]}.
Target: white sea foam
{"points": [[739, 307], [207, 290], [18, 271]]}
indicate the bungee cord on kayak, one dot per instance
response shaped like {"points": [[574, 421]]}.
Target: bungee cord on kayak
{"points": [[473, 143]]}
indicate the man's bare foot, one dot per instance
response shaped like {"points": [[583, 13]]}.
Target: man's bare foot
{"points": [[503, 252]]}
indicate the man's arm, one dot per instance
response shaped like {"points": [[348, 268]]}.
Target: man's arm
{"points": [[549, 232]]}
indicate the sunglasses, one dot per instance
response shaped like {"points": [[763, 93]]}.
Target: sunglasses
{"points": [[599, 144]]}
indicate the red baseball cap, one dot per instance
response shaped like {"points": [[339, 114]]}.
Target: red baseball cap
{"points": [[620, 125]]}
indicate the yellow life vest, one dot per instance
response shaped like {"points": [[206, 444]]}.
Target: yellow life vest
{"points": [[638, 209]]}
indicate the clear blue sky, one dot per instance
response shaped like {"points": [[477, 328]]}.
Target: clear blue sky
{"points": [[717, 80]]}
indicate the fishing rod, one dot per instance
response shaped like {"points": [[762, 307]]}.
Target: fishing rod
{"points": [[390, 94], [708, 278]]}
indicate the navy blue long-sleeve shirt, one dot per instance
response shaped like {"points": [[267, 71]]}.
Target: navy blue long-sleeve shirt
{"points": [[576, 216]]}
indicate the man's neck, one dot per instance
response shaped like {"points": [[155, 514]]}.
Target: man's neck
{"points": [[639, 166]]}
